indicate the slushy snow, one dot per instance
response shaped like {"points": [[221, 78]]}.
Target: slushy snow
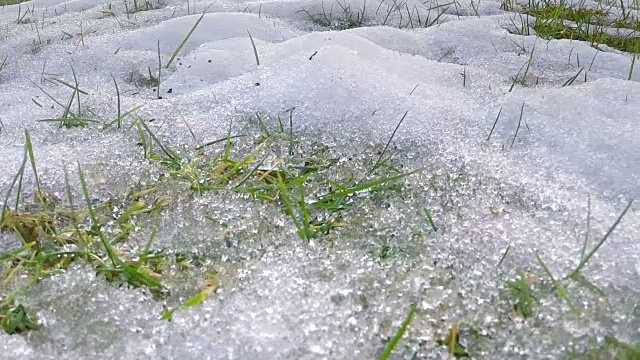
{"points": [[279, 297]]}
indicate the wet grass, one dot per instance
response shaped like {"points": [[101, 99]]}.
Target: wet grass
{"points": [[295, 180], [393, 342], [521, 291], [617, 28], [14, 318], [273, 164], [11, 2], [54, 235]]}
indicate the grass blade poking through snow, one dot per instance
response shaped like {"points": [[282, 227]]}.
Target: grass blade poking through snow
{"points": [[290, 129], [208, 287], [133, 274], [494, 124], [18, 179], [586, 237], [95, 224], [118, 100], [519, 123], [584, 260], [32, 159], [186, 38], [429, 218], [255, 51], [171, 155], [364, 186], [572, 79], [396, 338], [288, 209], [380, 161], [159, 71], [562, 292], [4, 62]]}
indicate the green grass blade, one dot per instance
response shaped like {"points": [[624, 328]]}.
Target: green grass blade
{"points": [[585, 260], [186, 38], [115, 83], [396, 338], [147, 249], [586, 237], [291, 132], [72, 87], [253, 171], [167, 151], [367, 185], [32, 159], [286, 203], [562, 292], [573, 78], [378, 162], [20, 180], [18, 175], [519, 123], [74, 220], [218, 141], [427, 215], [305, 213], [95, 225], [120, 117]]}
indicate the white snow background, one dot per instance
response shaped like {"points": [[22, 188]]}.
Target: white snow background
{"points": [[282, 298]]}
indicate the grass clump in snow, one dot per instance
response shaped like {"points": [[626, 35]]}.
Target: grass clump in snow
{"points": [[135, 6], [521, 290], [54, 235], [276, 165], [560, 20], [347, 18], [139, 79], [72, 116], [611, 348], [524, 296], [14, 318], [11, 2]]}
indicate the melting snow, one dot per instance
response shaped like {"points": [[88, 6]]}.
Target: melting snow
{"points": [[280, 297]]}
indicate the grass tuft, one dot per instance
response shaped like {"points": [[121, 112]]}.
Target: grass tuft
{"points": [[14, 318], [560, 20], [347, 19], [521, 290]]}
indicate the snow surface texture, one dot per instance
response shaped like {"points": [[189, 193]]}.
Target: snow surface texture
{"points": [[282, 298]]}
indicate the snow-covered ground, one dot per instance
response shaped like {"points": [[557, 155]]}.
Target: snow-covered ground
{"points": [[280, 297]]}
